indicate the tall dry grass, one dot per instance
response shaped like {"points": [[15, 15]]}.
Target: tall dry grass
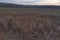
{"points": [[29, 27]]}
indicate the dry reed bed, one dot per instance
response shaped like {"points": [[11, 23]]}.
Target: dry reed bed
{"points": [[29, 27]]}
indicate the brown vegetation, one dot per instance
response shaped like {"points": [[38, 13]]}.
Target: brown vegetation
{"points": [[29, 27]]}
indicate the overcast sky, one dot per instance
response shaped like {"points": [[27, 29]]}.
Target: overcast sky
{"points": [[33, 2]]}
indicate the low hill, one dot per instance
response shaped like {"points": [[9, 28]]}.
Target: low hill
{"points": [[9, 5]]}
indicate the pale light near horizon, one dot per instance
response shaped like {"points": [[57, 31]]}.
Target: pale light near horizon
{"points": [[48, 2], [39, 2], [33, 2]]}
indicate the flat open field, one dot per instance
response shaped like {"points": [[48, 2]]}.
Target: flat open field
{"points": [[29, 24], [29, 11]]}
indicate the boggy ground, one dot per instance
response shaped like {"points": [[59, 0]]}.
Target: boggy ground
{"points": [[29, 27]]}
